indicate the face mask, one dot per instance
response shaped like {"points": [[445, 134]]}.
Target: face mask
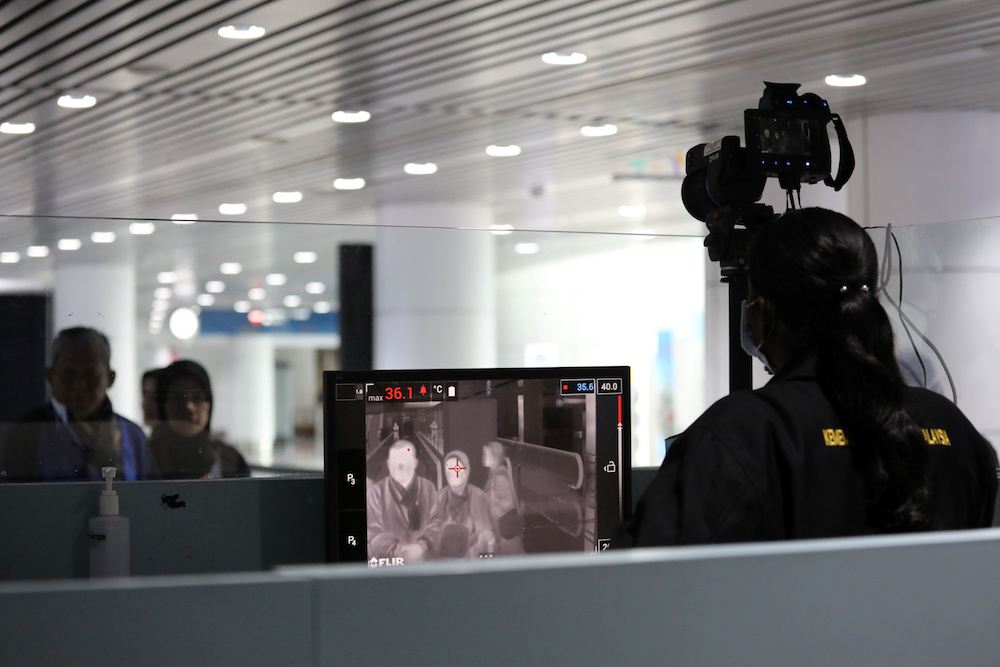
{"points": [[746, 336]]}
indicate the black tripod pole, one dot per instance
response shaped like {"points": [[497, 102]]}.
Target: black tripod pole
{"points": [[740, 363]]}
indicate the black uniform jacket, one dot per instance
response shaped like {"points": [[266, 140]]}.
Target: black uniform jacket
{"points": [[776, 464]]}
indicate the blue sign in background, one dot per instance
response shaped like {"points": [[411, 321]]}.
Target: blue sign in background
{"points": [[231, 322]]}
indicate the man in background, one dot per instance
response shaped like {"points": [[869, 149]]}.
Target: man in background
{"points": [[76, 432]]}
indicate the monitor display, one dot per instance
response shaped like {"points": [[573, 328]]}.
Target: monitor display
{"points": [[474, 463]]}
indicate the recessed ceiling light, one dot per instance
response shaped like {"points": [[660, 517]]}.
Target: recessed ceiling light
{"points": [[205, 300], [845, 81], [242, 306], [344, 116], [420, 169], [304, 257], [275, 279], [526, 248], [503, 151], [632, 211], [184, 218], [17, 128], [315, 288], [349, 183], [103, 237], [72, 102], [10, 257], [38, 251], [162, 293], [292, 197], [166, 277], [215, 286], [160, 305], [322, 307], [141, 228], [292, 301], [241, 32], [69, 244], [232, 209], [501, 230], [231, 268], [555, 58], [256, 293], [184, 323], [599, 130]]}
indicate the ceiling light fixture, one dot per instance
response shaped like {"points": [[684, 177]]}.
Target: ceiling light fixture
{"points": [[526, 248], [205, 300], [184, 218], [184, 323], [103, 237], [503, 151], [304, 257], [162, 293], [599, 130], [141, 228], [242, 306], [275, 279], [10, 257], [292, 301], [349, 183], [71, 102], [17, 128], [632, 211], [69, 244], [420, 169], [845, 81], [232, 209], [292, 197], [256, 293], [315, 288], [38, 251], [343, 116], [241, 32], [215, 286], [322, 307], [556, 58], [231, 268], [166, 277], [501, 230]]}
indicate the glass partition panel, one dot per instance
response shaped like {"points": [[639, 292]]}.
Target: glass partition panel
{"points": [[258, 305], [946, 276]]}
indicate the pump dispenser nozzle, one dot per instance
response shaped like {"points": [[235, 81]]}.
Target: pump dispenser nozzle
{"points": [[108, 503]]}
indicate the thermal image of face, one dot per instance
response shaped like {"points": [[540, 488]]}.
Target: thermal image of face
{"points": [[456, 473], [403, 462]]}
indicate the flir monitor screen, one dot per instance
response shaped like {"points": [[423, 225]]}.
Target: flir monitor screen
{"points": [[466, 464]]}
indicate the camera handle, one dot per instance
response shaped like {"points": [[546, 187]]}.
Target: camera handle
{"points": [[846, 166], [740, 363]]}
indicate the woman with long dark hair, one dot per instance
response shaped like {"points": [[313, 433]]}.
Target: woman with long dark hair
{"points": [[835, 444]]}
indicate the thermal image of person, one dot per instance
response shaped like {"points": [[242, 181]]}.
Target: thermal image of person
{"points": [[503, 502], [402, 509], [76, 432], [466, 524]]}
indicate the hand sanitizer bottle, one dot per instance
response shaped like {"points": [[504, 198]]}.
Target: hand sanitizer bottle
{"points": [[109, 535]]}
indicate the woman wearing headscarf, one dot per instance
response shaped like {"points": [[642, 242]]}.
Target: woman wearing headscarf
{"points": [[182, 444], [467, 530]]}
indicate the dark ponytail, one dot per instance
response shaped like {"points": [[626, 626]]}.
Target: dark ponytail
{"points": [[819, 271]]}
